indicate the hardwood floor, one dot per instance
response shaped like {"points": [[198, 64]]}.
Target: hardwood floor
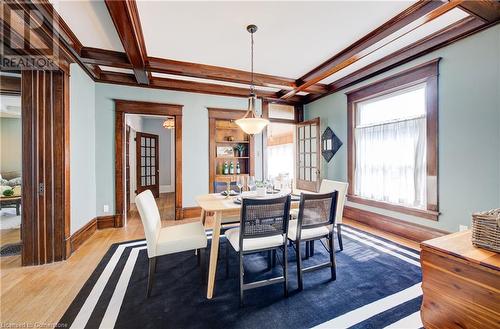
{"points": [[42, 293], [9, 236]]}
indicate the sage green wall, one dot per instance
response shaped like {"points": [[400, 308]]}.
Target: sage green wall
{"points": [[469, 129], [82, 148], [194, 137], [11, 144]]}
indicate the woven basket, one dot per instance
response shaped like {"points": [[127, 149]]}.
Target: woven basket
{"points": [[486, 230]]}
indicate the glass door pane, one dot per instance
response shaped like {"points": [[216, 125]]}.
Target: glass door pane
{"points": [[308, 150]]}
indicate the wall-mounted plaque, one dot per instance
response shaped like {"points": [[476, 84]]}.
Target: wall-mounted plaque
{"points": [[330, 144]]}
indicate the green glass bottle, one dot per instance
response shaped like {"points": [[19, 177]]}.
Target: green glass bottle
{"points": [[238, 169], [231, 168], [226, 168]]}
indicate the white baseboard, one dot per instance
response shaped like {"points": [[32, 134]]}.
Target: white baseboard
{"points": [[167, 188]]}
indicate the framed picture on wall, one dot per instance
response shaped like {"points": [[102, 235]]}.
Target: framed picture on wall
{"points": [[225, 151]]}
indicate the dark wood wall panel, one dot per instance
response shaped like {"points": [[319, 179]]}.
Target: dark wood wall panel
{"points": [[45, 124]]}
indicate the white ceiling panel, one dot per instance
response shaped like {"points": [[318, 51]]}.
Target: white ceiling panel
{"points": [[91, 23], [216, 82], [293, 37], [400, 40], [116, 69]]}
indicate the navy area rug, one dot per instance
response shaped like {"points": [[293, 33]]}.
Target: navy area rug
{"points": [[377, 286]]}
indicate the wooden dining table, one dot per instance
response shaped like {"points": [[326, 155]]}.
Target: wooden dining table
{"points": [[220, 206]]}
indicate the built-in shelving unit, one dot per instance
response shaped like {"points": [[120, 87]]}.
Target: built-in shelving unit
{"points": [[223, 132]]}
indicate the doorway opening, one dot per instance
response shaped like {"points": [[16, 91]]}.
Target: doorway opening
{"points": [[167, 113], [10, 171], [150, 161]]}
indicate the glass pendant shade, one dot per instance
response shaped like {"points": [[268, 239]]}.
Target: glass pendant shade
{"points": [[251, 123]]}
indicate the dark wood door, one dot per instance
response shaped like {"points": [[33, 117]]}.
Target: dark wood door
{"points": [[147, 163], [127, 167], [308, 155]]}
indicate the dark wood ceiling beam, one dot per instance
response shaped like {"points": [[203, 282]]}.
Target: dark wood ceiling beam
{"points": [[128, 26], [105, 57], [487, 10], [404, 18], [194, 70], [189, 86], [352, 53], [439, 39], [218, 73]]}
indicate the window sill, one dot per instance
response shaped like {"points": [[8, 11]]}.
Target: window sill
{"points": [[422, 213]]}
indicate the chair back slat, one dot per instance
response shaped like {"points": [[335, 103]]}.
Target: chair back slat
{"points": [[317, 210], [264, 217]]}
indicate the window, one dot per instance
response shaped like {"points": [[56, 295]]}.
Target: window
{"points": [[392, 145], [280, 150]]}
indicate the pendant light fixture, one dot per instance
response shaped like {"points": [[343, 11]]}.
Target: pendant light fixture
{"points": [[169, 123], [251, 123]]}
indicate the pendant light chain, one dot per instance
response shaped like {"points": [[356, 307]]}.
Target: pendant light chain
{"points": [[252, 86]]}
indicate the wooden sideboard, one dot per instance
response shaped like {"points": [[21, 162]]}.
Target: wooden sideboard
{"points": [[461, 283]]}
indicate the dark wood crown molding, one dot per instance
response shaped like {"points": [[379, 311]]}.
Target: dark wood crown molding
{"points": [[128, 26], [188, 86]]}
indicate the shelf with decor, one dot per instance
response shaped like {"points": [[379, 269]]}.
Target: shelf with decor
{"points": [[228, 144]]}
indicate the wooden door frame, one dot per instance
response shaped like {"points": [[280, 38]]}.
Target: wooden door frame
{"points": [[123, 107], [138, 162]]}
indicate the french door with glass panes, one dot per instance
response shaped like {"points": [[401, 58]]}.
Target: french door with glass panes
{"points": [[147, 163], [308, 155]]}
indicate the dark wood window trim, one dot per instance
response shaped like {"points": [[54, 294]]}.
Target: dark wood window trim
{"points": [[135, 107], [425, 73]]}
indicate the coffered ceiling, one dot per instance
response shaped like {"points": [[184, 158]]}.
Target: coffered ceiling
{"points": [[303, 49]]}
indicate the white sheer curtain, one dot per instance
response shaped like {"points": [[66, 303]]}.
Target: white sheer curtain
{"points": [[280, 160], [391, 162]]}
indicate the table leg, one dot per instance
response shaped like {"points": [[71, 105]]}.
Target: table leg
{"points": [[203, 216], [214, 251]]}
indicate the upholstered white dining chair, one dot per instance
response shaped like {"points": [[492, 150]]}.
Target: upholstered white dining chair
{"points": [[328, 186], [168, 240]]}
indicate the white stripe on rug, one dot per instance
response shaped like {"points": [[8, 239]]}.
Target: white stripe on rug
{"points": [[387, 244], [411, 321], [115, 303], [387, 251], [367, 311], [88, 306]]}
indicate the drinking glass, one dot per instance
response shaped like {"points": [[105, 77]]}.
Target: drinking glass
{"points": [[251, 183], [240, 182]]}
